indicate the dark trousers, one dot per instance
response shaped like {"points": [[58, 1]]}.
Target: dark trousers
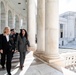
{"points": [[22, 58], [12, 55], [8, 56]]}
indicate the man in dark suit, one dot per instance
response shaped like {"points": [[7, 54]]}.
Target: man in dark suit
{"points": [[6, 48]]}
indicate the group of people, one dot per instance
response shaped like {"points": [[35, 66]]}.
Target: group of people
{"points": [[11, 42]]}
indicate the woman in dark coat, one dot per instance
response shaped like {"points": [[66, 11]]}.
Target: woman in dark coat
{"points": [[6, 49], [21, 46]]}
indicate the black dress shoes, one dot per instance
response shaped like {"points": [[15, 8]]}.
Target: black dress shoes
{"points": [[21, 67]]}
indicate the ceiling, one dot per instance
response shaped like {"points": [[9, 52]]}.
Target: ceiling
{"points": [[19, 6]]}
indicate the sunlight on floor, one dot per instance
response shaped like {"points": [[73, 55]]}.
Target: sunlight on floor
{"points": [[29, 59]]}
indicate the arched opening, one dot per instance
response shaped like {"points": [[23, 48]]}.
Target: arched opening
{"points": [[2, 17], [17, 26], [10, 19]]}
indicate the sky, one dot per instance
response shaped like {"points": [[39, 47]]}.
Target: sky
{"points": [[67, 5]]}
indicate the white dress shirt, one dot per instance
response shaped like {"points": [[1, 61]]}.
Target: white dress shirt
{"points": [[7, 37]]}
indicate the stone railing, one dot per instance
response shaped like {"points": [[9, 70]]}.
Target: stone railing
{"points": [[70, 60]]}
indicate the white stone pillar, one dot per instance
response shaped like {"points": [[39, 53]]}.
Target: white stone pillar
{"points": [[6, 14], [24, 24], [52, 33], [41, 25], [19, 22], [3, 16], [31, 15], [51, 27], [14, 19], [51, 54]]}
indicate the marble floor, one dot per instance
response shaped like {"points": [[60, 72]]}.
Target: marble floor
{"points": [[32, 66]]}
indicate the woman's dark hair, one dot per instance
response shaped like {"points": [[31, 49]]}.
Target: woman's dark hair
{"points": [[26, 35]]}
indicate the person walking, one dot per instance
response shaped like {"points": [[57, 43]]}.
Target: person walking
{"points": [[21, 46], [6, 48], [13, 37]]}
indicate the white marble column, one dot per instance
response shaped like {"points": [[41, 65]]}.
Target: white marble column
{"points": [[17, 23], [3, 16], [41, 26], [52, 33], [51, 28], [51, 54], [6, 15], [19, 27], [31, 15], [24, 24], [13, 19]]}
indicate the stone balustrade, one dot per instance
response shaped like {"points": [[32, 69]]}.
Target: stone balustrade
{"points": [[70, 60]]}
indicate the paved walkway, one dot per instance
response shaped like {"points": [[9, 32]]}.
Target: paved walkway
{"points": [[32, 66]]}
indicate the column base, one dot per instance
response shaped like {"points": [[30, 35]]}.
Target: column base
{"points": [[55, 62]]}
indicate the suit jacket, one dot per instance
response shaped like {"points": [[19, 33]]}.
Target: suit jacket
{"points": [[13, 39], [21, 45], [6, 45]]}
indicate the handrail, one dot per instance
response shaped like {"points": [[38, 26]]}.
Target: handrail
{"points": [[70, 60]]}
